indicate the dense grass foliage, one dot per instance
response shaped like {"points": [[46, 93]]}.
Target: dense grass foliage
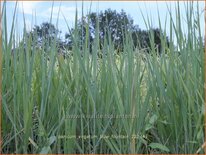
{"points": [[131, 102]]}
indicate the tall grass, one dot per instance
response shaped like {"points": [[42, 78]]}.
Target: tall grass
{"points": [[116, 104]]}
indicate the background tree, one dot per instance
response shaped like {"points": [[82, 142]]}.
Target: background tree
{"points": [[114, 25], [142, 39], [45, 35], [81, 37], [109, 23]]}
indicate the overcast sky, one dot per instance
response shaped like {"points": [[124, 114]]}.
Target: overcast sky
{"points": [[42, 9]]}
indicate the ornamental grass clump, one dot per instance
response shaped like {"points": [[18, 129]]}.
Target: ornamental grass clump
{"points": [[131, 102]]}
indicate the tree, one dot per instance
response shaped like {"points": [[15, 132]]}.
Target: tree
{"points": [[114, 23], [109, 24], [144, 39], [45, 35], [81, 31]]}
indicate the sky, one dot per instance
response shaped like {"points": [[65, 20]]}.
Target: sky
{"points": [[36, 12]]}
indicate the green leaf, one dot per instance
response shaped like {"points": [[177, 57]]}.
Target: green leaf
{"points": [[159, 146], [200, 134], [153, 119], [148, 127], [51, 140], [45, 150]]}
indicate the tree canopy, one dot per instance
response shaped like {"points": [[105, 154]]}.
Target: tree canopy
{"points": [[103, 26], [106, 24], [112, 24], [45, 35]]}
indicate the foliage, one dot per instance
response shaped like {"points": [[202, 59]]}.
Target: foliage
{"points": [[113, 25], [44, 36], [120, 104], [142, 39], [110, 24]]}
